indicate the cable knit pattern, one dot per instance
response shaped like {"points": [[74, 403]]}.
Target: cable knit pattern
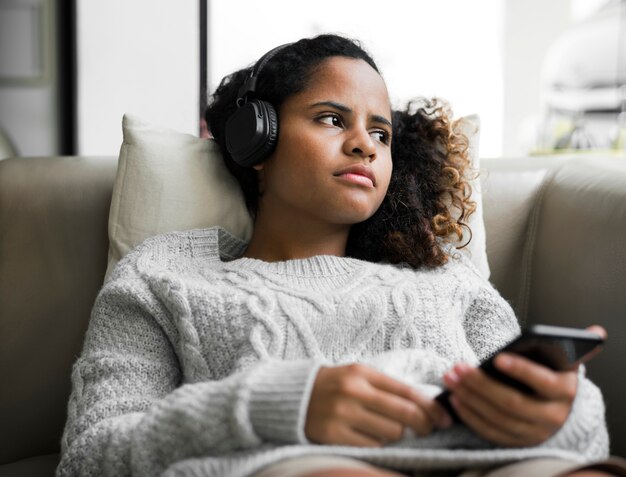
{"points": [[200, 362]]}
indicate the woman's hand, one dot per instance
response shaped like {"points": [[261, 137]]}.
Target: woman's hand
{"points": [[502, 414], [506, 416], [357, 405]]}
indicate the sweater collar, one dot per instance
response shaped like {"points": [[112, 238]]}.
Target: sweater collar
{"points": [[231, 248], [316, 266]]}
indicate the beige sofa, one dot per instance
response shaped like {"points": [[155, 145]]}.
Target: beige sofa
{"points": [[556, 241]]}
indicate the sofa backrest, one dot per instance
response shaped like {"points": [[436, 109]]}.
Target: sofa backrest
{"points": [[556, 230]]}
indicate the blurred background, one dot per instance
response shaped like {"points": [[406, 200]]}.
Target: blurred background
{"points": [[544, 76]]}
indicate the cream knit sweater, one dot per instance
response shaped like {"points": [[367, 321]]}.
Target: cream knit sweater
{"points": [[200, 363]]}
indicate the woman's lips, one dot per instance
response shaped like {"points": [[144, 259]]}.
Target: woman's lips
{"points": [[357, 179], [358, 174]]}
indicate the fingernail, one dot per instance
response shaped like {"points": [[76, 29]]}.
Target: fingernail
{"points": [[505, 361], [461, 369], [451, 378]]}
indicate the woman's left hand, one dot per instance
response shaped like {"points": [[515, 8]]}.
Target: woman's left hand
{"points": [[502, 414]]}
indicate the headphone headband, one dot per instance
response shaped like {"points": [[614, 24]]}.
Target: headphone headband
{"points": [[249, 86]]}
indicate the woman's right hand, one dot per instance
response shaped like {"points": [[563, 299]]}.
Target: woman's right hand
{"points": [[356, 405]]}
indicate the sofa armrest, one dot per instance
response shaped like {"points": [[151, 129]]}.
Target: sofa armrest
{"points": [[559, 254], [576, 268], [53, 252]]}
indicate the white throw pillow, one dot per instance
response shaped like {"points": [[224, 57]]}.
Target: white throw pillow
{"points": [[167, 180]]}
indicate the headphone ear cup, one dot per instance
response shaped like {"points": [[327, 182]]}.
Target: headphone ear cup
{"points": [[272, 137], [252, 132]]}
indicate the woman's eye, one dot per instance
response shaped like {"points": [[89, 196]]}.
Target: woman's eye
{"points": [[382, 136], [330, 119]]}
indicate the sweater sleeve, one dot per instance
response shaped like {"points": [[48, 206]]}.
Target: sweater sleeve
{"points": [[490, 322], [128, 413]]}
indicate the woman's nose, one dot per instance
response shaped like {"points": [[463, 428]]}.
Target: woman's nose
{"points": [[360, 143]]}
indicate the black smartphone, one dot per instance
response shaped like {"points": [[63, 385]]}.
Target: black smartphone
{"points": [[558, 348]]}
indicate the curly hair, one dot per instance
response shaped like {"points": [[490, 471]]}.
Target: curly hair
{"points": [[428, 200], [429, 197]]}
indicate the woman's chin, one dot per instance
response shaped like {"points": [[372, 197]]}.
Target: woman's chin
{"points": [[354, 216]]}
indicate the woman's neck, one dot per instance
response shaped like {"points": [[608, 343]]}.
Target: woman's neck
{"points": [[290, 238]]}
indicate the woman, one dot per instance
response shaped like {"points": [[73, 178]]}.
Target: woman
{"points": [[316, 348]]}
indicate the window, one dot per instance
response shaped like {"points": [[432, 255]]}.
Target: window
{"points": [[449, 48]]}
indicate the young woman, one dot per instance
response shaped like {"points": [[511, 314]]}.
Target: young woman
{"points": [[316, 348]]}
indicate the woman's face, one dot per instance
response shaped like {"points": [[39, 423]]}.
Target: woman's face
{"points": [[341, 121]]}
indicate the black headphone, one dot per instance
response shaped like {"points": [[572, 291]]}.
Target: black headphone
{"points": [[252, 130]]}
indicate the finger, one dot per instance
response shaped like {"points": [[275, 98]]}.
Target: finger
{"points": [[376, 425], [404, 403], [388, 384], [546, 415], [394, 407], [350, 437], [422, 414], [536, 425], [545, 382], [437, 413], [409, 415], [501, 396], [599, 330], [475, 422]]}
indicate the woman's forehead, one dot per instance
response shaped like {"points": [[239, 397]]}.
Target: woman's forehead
{"points": [[350, 81]]}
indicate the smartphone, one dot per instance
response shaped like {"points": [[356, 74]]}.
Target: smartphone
{"points": [[558, 348]]}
